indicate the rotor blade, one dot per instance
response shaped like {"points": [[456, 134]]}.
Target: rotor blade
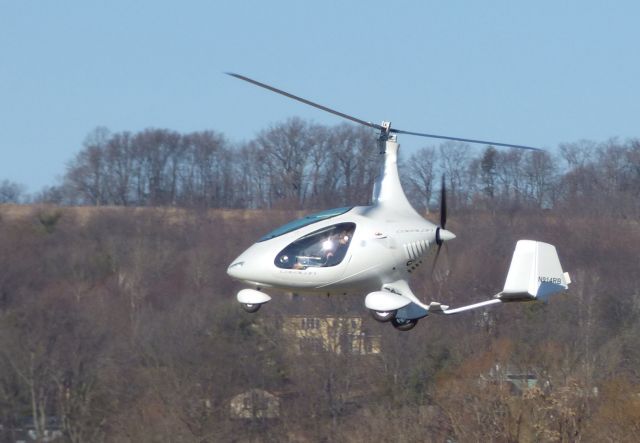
{"points": [[467, 140], [443, 204], [305, 101], [373, 125]]}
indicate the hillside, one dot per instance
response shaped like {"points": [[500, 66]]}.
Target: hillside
{"points": [[120, 322]]}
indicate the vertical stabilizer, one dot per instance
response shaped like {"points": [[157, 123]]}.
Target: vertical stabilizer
{"points": [[535, 273]]}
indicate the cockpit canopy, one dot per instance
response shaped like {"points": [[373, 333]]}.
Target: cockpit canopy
{"points": [[322, 248], [305, 221]]}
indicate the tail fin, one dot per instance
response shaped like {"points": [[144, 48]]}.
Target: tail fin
{"points": [[535, 273]]}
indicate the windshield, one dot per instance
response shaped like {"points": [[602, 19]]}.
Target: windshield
{"points": [[323, 248], [307, 220]]}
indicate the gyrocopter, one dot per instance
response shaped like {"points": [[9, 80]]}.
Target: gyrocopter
{"points": [[374, 249]]}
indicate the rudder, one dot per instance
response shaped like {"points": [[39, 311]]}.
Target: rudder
{"points": [[535, 273]]}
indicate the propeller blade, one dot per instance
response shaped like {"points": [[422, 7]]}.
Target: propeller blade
{"points": [[435, 260], [370, 124], [443, 204]]}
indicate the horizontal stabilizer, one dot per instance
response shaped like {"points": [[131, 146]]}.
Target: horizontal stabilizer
{"points": [[535, 273], [437, 308]]}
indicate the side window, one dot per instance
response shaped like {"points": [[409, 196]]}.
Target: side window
{"points": [[322, 248]]}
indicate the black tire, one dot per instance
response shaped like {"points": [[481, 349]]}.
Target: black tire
{"points": [[405, 324], [251, 307], [383, 316]]}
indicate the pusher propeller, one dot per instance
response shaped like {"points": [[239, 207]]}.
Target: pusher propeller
{"points": [[442, 234]]}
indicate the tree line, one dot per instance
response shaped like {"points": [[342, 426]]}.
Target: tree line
{"points": [[293, 164], [120, 325], [300, 165]]}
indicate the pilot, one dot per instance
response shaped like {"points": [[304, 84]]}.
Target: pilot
{"points": [[335, 248], [329, 245]]}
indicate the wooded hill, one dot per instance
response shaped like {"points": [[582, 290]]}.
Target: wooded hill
{"points": [[120, 324]]}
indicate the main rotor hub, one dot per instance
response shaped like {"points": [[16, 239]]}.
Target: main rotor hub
{"points": [[385, 131]]}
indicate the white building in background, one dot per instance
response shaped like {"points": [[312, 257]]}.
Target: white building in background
{"points": [[255, 404]]}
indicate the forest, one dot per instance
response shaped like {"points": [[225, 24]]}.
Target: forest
{"points": [[118, 322]]}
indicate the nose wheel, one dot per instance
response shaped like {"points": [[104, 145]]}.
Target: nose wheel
{"points": [[250, 307], [251, 299]]}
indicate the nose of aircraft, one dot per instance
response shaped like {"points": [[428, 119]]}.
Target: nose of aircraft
{"points": [[235, 269], [251, 265]]}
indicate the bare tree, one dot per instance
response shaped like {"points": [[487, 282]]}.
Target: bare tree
{"points": [[454, 163], [355, 165], [206, 172], [421, 176], [488, 167], [86, 175], [286, 147], [120, 157], [11, 192], [160, 152], [540, 174]]}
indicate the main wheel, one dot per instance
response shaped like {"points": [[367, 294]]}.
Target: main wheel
{"points": [[383, 316], [251, 307], [404, 324]]}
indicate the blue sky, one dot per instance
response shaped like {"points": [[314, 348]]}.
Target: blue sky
{"points": [[536, 73]]}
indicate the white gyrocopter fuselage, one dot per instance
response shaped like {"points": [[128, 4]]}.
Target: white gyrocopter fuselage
{"points": [[345, 249], [373, 250]]}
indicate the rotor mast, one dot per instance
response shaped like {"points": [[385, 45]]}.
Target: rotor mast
{"points": [[385, 135], [388, 193]]}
